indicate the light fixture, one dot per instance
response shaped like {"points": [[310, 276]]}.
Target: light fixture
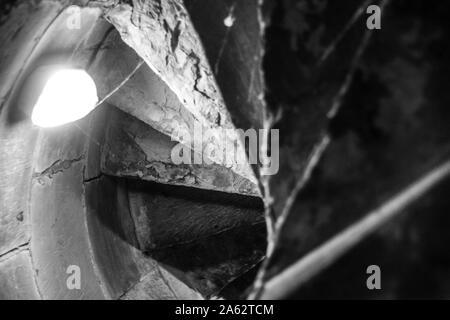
{"points": [[68, 95]]}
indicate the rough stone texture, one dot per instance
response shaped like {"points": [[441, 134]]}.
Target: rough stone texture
{"points": [[145, 96], [17, 277], [167, 215], [163, 35], [133, 149]]}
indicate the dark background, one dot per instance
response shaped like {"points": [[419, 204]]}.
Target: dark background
{"points": [[392, 127]]}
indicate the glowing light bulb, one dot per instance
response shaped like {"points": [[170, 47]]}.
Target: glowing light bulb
{"points": [[69, 95]]}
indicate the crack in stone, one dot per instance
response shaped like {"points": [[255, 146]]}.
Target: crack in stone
{"points": [[198, 74], [97, 177], [13, 252], [57, 167]]}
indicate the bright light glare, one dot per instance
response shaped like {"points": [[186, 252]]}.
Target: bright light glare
{"points": [[68, 95]]}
